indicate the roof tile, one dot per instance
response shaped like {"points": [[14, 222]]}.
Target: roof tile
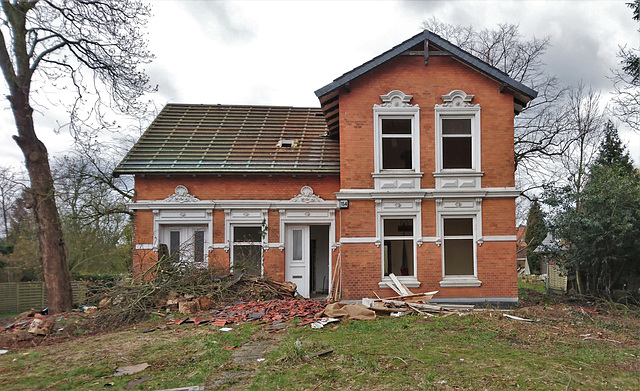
{"points": [[234, 139]]}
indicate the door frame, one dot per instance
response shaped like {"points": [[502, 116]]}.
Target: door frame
{"points": [[307, 216]]}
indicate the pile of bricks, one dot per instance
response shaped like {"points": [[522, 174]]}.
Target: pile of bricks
{"points": [[270, 311]]}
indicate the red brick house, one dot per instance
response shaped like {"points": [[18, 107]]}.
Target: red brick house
{"points": [[406, 168]]}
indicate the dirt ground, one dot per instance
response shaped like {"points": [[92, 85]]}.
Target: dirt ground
{"points": [[558, 312]]}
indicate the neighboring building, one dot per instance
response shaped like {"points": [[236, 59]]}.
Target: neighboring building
{"points": [[406, 168], [521, 250]]}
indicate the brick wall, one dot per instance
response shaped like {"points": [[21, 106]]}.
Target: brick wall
{"points": [[362, 262], [427, 84]]}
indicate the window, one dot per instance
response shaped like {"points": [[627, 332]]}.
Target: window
{"points": [[396, 144], [398, 249], [247, 249], [397, 137], [456, 143], [185, 244], [459, 248], [457, 134]]}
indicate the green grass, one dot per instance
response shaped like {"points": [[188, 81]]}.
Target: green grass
{"points": [[477, 351], [470, 352], [177, 358]]}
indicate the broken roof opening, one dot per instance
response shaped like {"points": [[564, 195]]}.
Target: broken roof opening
{"points": [[287, 143]]}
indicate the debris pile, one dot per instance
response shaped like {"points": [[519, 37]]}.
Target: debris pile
{"points": [[270, 311], [185, 290], [408, 302]]}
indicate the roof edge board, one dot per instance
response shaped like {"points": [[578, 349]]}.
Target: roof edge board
{"points": [[442, 44]]}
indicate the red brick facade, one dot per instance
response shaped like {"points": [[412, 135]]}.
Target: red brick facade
{"points": [[355, 231]]}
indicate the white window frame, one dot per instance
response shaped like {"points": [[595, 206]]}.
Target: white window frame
{"points": [[411, 238], [234, 242], [409, 209], [457, 106], [396, 106], [460, 280], [188, 231], [246, 218]]}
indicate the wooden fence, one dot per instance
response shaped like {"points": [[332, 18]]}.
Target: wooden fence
{"points": [[16, 297]]}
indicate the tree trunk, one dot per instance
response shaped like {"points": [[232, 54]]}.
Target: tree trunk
{"points": [[53, 255]]}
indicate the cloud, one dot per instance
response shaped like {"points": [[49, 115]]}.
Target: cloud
{"points": [[220, 19]]}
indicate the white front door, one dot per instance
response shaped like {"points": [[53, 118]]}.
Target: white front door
{"points": [[297, 257]]}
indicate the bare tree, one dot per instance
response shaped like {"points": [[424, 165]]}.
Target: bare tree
{"points": [[584, 126], [539, 132], [626, 81], [10, 190], [86, 48]]}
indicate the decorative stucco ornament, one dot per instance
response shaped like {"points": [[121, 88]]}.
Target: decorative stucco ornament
{"points": [[457, 98], [306, 195], [181, 195]]}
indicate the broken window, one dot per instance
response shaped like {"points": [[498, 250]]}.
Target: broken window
{"points": [[398, 250], [456, 143], [458, 247], [397, 151], [247, 249]]}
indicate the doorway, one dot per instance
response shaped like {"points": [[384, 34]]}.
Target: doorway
{"points": [[307, 258]]}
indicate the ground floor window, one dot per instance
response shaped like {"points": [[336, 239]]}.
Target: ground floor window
{"points": [[459, 249], [247, 249], [398, 249], [184, 244]]}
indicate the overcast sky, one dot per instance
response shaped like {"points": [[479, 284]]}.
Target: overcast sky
{"points": [[279, 53]]}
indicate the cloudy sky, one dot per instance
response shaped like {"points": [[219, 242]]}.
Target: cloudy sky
{"points": [[279, 53]]}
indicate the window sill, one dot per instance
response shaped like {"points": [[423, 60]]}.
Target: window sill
{"points": [[409, 282], [460, 282], [397, 173], [458, 172]]}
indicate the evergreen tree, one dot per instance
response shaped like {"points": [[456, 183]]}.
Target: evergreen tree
{"points": [[536, 232], [601, 236], [613, 153]]}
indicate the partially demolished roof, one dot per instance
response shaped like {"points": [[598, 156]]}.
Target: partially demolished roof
{"points": [[425, 44], [234, 139]]}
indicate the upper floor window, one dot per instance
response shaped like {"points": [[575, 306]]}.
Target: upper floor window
{"points": [[457, 133], [396, 129]]}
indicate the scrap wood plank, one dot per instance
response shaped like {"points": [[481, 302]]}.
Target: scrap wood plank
{"points": [[416, 297], [390, 285], [403, 289], [430, 307]]}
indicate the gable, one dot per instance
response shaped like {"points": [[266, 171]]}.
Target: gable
{"points": [[228, 139], [425, 44]]}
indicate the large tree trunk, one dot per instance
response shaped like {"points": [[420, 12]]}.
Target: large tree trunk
{"points": [[52, 248]]}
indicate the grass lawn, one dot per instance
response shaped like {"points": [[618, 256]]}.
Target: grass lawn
{"points": [[566, 347]]}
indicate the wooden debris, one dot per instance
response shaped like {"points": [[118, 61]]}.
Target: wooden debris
{"points": [[41, 326], [408, 302], [404, 291]]}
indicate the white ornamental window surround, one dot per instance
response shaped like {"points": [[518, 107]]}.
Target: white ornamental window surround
{"points": [[396, 126], [459, 236], [242, 228], [457, 134], [184, 213], [186, 244], [399, 234], [247, 245]]}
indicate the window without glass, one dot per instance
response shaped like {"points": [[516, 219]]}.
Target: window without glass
{"points": [[247, 249], [458, 247], [397, 144], [456, 143], [398, 247]]}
